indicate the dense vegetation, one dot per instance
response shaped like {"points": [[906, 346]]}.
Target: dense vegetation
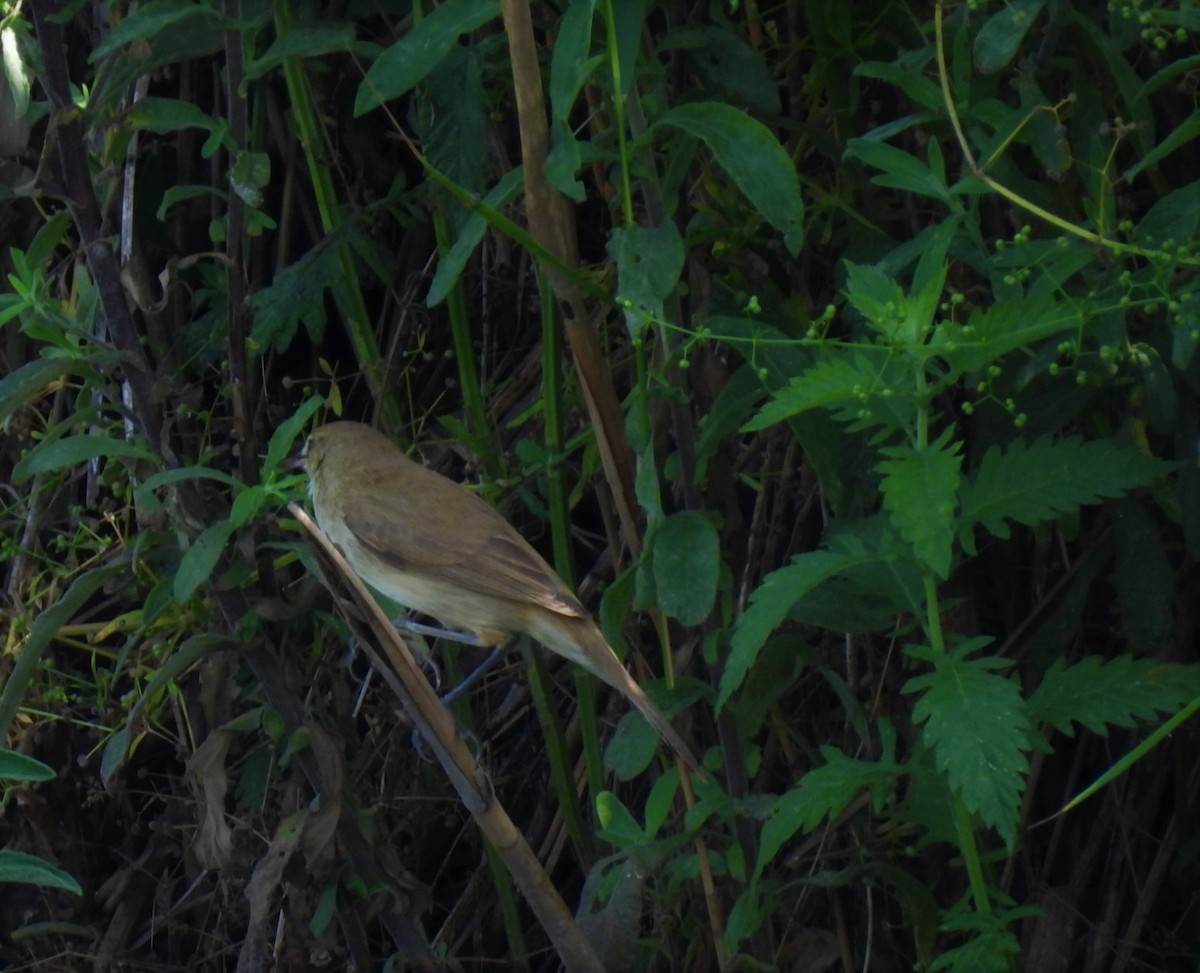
{"points": [[842, 354]]}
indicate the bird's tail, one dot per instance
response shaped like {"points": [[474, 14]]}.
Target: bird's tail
{"points": [[599, 659]]}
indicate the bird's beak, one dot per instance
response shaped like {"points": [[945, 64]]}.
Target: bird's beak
{"points": [[295, 462]]}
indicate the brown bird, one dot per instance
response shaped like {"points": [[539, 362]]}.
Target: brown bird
{"points": [[433, 546]]}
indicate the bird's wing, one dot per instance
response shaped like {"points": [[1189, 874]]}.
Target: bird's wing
{"points": [[464, 543]]}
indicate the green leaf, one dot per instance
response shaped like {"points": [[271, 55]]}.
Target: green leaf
{"points": [[418, 52], [23, 385], [197, 563], [978, 728], [754, 159], [900, 169], [920, 492], [649, 262], [570, 65], [451, 263], [1098, 694], [18, 867], [57, 454], [149, 20], [21, 767], [453, 123], [297, 296], [727, 66], [687, 564], [285, 434], [618, 825], [823, 793], [1143, 578], [998, 39], [43, 631], [308, 42], [165, 115], [994, 331], [856, 387], [1034, 483], [769, 606], [885, 306]]}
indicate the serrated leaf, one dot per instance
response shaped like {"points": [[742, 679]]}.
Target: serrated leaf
{"points": [[855, 387], [823, 792], [920, 493], [747, 150], [297, 296], [1034, 483], [995, 331], [769, 606], [977, 726], [1098, 694]]}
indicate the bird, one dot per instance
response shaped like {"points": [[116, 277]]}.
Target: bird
{"points": [[432, 545]]}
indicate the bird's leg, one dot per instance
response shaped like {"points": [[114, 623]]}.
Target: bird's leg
{"points": [[474, 675], [465, 638], [433, 631]]}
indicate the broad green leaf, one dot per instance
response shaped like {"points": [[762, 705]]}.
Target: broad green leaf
{"points": [[250, 172], [453, 124], [307, 42], [1098, 694], [165, 115], [823, 793], [569, 62], [197, 563], [22, 767], [12, 66], [687, 564], [1034, 483], [57, 454], [151, 19], [728, 66], [418, 52], [769, 606], [754, 160], [618, 825], [977, 726], [998, 39], [920, 493], [18, 867], [649, 262], [629, 18], [24, 384]]}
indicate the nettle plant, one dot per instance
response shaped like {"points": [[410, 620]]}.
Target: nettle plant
{"points": [[976, 418]]}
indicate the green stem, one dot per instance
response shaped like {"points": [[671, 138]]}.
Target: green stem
{"points": [[482, 439], [348, 294]]}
